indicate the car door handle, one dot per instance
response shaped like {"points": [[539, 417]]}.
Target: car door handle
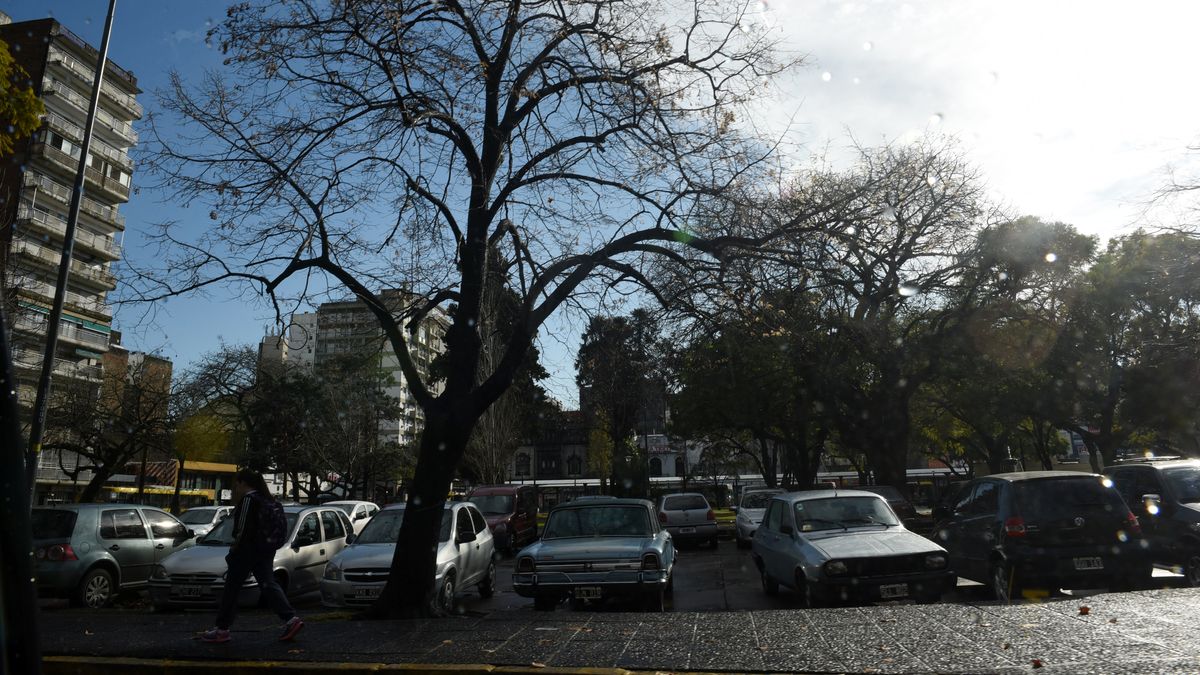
{"points": [[322, 551], [160, 546], [114, 547]]}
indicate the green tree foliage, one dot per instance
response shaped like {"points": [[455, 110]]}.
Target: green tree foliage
{"points": [[20, 109]]}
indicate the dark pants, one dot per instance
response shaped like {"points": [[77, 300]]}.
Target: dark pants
{"points": [[242, 566]]}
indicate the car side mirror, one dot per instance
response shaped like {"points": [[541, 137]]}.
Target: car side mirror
{"points": [[190, 533], [350, 538], [361, 516], [465, 537]]}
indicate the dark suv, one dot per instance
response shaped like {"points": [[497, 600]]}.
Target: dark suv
{"points": [[1049, 529], [1165, 496]]}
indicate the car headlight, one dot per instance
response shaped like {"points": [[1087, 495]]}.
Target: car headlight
{"points": [[935, 561], [160, 573], [836, 568], [332, 573]]}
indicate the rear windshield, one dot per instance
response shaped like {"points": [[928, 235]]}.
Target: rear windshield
{"points": [[1062, 497], [599, 521], [685, 503], [197, 516], [222, 534], [493, 505], [886, 491], [52, 523], [1185, 483], [384, 528], [757, 500]]}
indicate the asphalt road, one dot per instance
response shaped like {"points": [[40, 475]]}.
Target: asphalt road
{"points": [[706, 580]]}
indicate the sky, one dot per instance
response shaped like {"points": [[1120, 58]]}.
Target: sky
{"points": [[1073, 111]]}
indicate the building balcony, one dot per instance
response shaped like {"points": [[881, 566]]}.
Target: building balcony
{"points": [[36, 323], [87, 76], [76, 302], [68, 165], [40, 220], [107, 124], [62, 194], [31, 360], [68, 129], [80, 271]]}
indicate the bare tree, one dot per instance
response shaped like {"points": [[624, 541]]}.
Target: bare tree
{"points": [[376, 144]]}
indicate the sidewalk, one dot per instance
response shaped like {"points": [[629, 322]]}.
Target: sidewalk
{"points": [[1153, 631]]}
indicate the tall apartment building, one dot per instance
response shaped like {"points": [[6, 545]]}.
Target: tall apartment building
{"points": [[348, 328], [35, 192]]}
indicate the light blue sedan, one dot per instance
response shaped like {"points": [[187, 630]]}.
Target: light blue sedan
{"points": [[846, 545], [595, 549]]}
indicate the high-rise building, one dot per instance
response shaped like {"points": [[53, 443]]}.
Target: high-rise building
{"points": [[348, 328], [36, 183]]}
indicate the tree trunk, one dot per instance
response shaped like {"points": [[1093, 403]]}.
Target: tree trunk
{"points": [[92, 491], [410, 590], [178, 485]]}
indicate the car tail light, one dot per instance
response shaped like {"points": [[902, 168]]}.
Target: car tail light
{"points": [[711, 515], [525, 564], [1014, 527], [650, 561], [662, 517], [1134, 525], [60, 552]]}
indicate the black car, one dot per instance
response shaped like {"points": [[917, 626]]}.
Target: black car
{"points": [[1165, 496], [1043, 529]]}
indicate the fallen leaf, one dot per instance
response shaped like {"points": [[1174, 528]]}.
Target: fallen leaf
{"points": [[535, 664], [1007, 646], [295, 651], [1112, 620], [447, 642], [1085, 610], [1037, 663], [889, 660]]}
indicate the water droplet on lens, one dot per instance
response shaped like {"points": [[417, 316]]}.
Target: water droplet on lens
{"points": [[868, 46], [1121, 536], [1002, 276], [441, 446], [935, 119], [827, 76], [932, 180], [856, 81], [1050, 257], [908, 290]]}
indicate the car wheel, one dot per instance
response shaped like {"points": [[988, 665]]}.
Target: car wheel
{"points": [[807, 592], [1191, 570], [95, 589], [769, 585], [654, 601], [1004, 582], [545, 603], [444, 600], [670, 587], [487, 587]]}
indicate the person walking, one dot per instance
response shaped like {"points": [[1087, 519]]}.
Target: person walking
{"points": [[259, 529]]}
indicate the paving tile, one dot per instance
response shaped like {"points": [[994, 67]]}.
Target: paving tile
{"points": [[655, 655], [599, 654], [727, 658]]}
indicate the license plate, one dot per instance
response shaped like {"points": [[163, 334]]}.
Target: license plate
{"points": [[190, 591], [587, 593], [1091, 563], [687, 530], [367, 593], [893, 591]]}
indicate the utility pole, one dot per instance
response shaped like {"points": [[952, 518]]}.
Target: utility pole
{"points": [[64, 267]]}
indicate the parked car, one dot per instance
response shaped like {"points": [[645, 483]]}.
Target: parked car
{"points": [[688, 517], [195, 577], [846, 545], [466, 557], [1165, 496], [359, 512], [595, 549], [511, 513], [1049, 529], [202, 519], [750, 510], [87, 552], [895, 499]]}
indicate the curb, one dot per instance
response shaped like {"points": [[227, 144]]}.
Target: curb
{"points": [[90, 665]]}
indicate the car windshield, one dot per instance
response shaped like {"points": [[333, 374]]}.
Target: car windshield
{"points": [[1185, 483], [197, 516], [684, 503], [1061, 497], [384, 528], [493, 505], [837, 513], [222, 534], [348, 509], [52, 523], [757, 500], [599, 521]]}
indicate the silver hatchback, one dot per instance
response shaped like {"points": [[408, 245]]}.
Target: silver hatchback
{"points": [[688, 517], [195, 577]]}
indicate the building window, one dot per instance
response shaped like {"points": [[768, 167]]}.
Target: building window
{"points": [[574, 465], [655, 466], [679, 469], [522, 464]]}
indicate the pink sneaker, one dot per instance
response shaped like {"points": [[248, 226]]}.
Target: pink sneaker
{"points": [[216, 635], [290, 628]]}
